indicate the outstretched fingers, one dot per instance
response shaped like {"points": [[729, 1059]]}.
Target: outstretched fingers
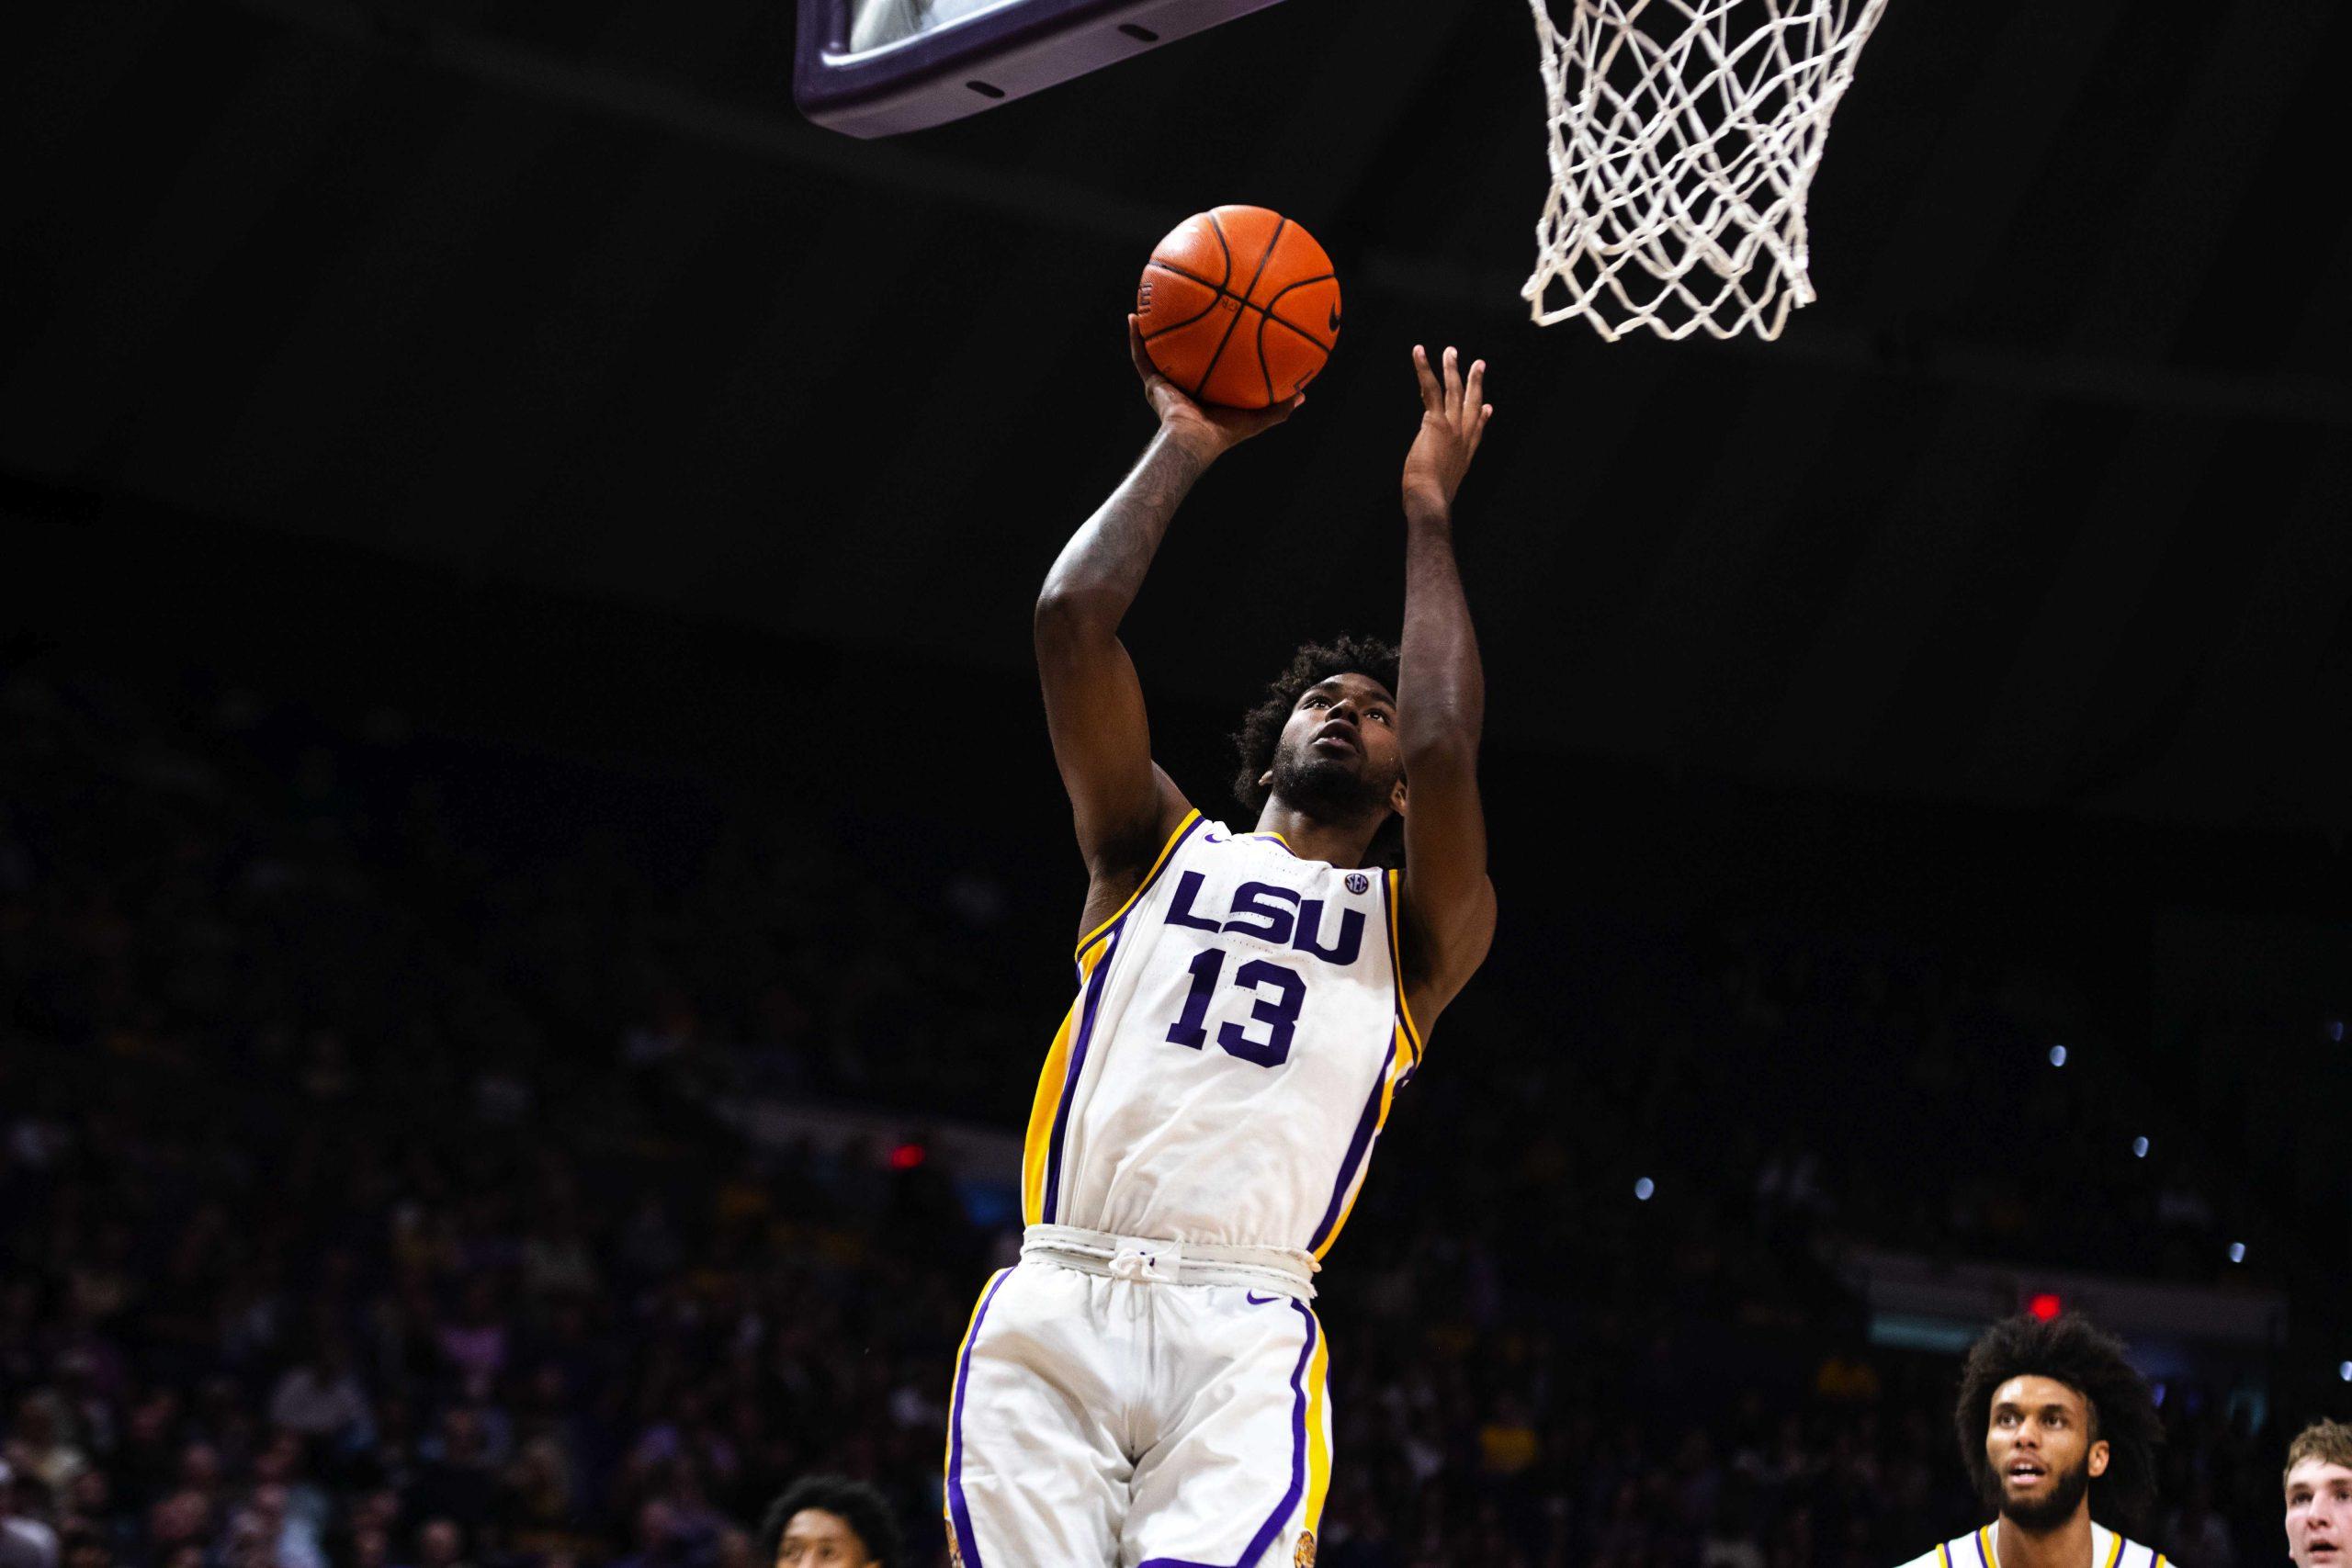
{"points": [[1453, 416], [1432, 395], [1452, 395], [1449, 391]]}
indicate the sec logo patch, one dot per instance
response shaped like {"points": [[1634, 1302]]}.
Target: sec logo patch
{"points": [[1358, 882]]}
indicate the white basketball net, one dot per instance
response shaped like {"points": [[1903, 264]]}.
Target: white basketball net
{"points": [[1684, 136]]}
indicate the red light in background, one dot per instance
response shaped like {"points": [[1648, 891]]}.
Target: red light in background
{"points": [[906, 1157], [2044, 1306]]}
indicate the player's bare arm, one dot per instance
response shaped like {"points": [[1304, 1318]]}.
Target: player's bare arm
{"points": [[1448, 915], [1124, 805]]}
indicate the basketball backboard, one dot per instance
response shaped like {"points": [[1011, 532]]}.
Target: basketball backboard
{"points": [[878, 67]]}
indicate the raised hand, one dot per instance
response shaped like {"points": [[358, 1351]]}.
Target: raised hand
{"points": [[1207, 428], [1454, 421]]}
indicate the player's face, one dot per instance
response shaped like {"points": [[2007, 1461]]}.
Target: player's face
{"points": [[2319, 1514], [2042, 1450], [819, 1539], [1339, 748]]}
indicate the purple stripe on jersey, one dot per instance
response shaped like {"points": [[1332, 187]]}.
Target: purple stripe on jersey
{"points": [[1076, 1065], [1368, 1124], [1086, 1020], [959, 1517], [1358, 1147], [1274, 1521]]}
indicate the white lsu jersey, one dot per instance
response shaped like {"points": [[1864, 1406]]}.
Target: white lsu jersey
{"points": [[1239, 1031], [1977, 1550]]}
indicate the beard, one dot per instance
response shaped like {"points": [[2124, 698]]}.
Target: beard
{"points": [[2065, 1498], [1328, 789]]}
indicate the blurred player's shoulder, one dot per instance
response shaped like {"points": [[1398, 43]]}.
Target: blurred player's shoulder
{"points": [[1971, 1551]]}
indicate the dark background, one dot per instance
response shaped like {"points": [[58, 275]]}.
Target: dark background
{"points": [[534, 369], [2039, 506], [481, 348]]}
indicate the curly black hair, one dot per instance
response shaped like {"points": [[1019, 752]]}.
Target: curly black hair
{"points": [[1262, 727], [2071, 1351], [859, 1505]]}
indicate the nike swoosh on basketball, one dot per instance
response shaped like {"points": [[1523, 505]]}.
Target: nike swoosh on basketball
{"points": [[1335, 318]]}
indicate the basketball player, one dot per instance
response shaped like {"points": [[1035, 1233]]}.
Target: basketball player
{"points": [[1145, 1388], [2319, 1495], [828, 1521], [2053, 1424]]}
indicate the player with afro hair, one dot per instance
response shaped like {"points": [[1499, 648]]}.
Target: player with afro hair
{"points": [[2055, 1427], [2067, 1349]]}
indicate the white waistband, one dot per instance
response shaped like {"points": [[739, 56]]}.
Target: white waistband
{"points": [[1284, 1270]]}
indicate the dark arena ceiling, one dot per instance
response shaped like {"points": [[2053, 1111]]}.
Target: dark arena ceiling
{"points": [[2044, 505]]}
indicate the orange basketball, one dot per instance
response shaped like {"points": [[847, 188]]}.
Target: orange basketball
{"points": [[1238, 306]]}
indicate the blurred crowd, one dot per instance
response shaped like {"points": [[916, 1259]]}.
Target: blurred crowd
{"points": [[363, 1204]]}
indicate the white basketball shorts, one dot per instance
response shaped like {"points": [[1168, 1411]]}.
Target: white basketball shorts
{"points": [[1115, 1423]]}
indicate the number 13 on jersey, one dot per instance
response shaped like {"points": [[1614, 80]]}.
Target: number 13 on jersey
{"points": [[1280, 993]]}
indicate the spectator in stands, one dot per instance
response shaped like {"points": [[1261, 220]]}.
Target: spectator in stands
{"points": [[660, 1543], [24, 1542], [457, 1479], [2194, 1534], [321, 1397], [85, 1549], [39, 1438], [320, 1210]]}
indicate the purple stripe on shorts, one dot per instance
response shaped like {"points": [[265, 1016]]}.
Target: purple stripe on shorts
{"points": [[959, 1517], [1272, 1526]]}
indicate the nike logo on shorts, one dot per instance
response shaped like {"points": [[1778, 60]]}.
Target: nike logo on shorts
{"points": [[1255, 1300]]}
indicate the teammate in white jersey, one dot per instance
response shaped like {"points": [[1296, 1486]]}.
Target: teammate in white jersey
{"points": [[2054, 1424], [1145, 1388]]}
